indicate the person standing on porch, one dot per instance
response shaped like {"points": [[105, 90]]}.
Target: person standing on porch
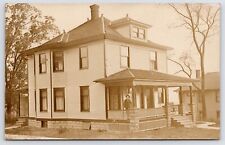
{"points": [[127, 105]]}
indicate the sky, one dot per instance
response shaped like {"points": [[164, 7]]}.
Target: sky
{"points": [[161, 17]]}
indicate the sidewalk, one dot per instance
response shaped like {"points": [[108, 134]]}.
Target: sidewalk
{"points": [[27, 137], [206, 125]]}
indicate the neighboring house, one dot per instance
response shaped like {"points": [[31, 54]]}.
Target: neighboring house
{"points": [[80, 78], [212, 97]]}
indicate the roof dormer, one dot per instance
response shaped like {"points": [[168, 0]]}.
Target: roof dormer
{"points": [[131, 28]]}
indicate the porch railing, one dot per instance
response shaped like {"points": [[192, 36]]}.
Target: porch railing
{"points": [[137, 113]]}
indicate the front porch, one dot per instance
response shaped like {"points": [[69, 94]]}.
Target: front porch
{"points": [[150, 97]]}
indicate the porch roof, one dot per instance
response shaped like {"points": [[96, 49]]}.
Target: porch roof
{"points": [[131, 75]]}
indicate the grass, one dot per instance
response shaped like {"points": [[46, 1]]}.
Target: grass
{"points": [[164, 133]]}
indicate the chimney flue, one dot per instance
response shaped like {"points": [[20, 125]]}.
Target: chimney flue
{"points": [[94, 11]]}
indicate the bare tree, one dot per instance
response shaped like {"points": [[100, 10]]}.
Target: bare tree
{"points": [[186, 65], [200, 20], [24, 27]]}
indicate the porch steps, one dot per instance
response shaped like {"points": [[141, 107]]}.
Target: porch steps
{"points": [[21, 122], [182, 121]]}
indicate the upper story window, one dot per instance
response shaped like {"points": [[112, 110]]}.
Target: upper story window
{"points": [[138, 33], [58, 61], [43, 100], [42, 63], [153, 60], [83, 57], [59, 100], [124, 56], [85, 99]]}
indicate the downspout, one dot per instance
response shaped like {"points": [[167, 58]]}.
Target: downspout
{"points": [[105, 75], [50, 77]]}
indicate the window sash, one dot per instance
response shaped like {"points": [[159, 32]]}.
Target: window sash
{"points": [[43, 100], [85, 99], [42, 63], [59, 99], [58, 61], [83, 58], [124, 56]]}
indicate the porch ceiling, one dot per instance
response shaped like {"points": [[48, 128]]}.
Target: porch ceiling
{"points": [[144, 77]]}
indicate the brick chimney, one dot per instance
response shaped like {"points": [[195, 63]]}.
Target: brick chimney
{"points": [[94, 11]]}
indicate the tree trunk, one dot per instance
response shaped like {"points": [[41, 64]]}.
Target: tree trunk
{"points": [[202, 93]]}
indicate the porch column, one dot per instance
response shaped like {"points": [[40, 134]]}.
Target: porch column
{"points": [[192, 105], [167, 107], [181, 106], [134, 121]]}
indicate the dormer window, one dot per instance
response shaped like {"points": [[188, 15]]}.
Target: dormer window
{"points": [[138, 33]]}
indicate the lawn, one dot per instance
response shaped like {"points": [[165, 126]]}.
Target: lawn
{"points": [[164, 133]]}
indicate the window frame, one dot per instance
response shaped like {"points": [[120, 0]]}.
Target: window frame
{"points": [[54, 60], [40, 64], [41, 98], [80, 59], [137, 34], [54, 92], [153, 61], [81, 99], [127, 57]]}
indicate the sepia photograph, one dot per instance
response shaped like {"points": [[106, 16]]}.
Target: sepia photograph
{"points": [[116, 71]]}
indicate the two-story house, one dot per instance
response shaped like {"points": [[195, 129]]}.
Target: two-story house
{"points": [[212, 97], [80, 78]]}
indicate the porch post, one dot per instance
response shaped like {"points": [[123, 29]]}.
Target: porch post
{"points": [[192, 105], [181, 106], [167, 106]]}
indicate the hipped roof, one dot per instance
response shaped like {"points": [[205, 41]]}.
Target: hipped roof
{"points": [[92, 30], [136, 74]]}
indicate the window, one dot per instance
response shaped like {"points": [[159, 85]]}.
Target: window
{"points": [[59, 100], [44, 124], [58, 61], [153, 60], [83, 57], [43, 100], [138, 33], [160, 95], [42, 63], [218, 115], [85, 99], [217, 96], [114, 97], [124, 56]]}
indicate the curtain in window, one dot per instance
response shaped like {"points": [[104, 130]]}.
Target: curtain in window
{"points": [[58, 61], [85, 104], [59, 100], [114, 99], [43, 100]]}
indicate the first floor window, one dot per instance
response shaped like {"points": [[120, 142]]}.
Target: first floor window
{"points": [[160, 95], [114, 98], [43, 100], [85, 99], [58, 61], [59, 99]]}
